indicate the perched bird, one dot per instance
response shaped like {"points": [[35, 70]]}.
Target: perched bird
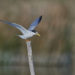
{"points": [[26, 33]]}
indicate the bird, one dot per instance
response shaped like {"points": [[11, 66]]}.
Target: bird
{"points": [[26, 33]]}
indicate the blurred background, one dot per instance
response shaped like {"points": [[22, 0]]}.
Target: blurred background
{"points": [[53, 52]]}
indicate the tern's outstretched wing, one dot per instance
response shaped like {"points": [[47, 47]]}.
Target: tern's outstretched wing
{"points": [[35, 23], [21, 28]]}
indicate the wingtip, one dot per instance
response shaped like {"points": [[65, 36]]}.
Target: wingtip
{"points": [[40, 17]]}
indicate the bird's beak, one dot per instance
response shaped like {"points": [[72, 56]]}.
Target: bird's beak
{"points": [[38, 34]]}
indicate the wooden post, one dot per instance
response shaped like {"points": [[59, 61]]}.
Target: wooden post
{"points": [[30, 58]]}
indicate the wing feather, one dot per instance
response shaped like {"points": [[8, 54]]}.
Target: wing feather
{"points": [[35, 23], [21, 28]]}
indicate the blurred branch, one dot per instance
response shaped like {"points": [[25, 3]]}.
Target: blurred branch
{"points": [[30, 57]]}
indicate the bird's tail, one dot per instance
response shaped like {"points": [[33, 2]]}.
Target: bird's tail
{"points": [[21, 36]]}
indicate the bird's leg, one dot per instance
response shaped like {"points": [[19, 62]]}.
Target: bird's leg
{"points": [[27, 40]]}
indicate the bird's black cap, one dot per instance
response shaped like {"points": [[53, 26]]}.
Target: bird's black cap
{"points": [[34, 31]]}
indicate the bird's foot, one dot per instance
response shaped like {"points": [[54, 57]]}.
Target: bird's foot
{"points": [[27, 40]]}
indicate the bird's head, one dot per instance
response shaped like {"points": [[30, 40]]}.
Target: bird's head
{"points": [[36, 33]]}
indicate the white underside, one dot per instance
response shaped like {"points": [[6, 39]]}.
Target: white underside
{"points": [[27, 35]]}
